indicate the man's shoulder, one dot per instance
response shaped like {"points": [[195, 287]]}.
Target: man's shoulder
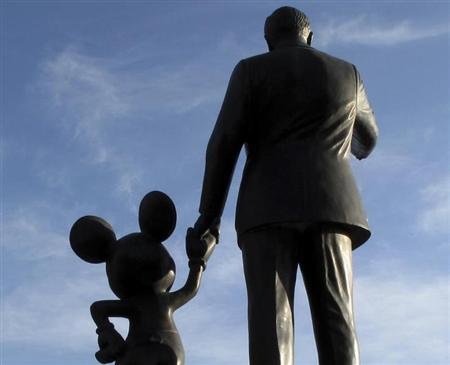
{"points": [[334, 59], [256, 58], [269, 56]]}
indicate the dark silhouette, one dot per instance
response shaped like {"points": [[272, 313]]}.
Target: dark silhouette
{"points": [[300, 113], [141, 272]]}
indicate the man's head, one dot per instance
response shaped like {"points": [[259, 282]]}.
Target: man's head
{"points": [[287, 24]]}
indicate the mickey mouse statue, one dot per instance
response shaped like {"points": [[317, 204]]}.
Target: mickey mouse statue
{"points": [[141, 272]]}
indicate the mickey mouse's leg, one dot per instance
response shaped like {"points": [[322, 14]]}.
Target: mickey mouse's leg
{"points": [[167, 357], [150, 354]]}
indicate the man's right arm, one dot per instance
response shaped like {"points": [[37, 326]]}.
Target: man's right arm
{"points": [[365, 130], [223, 149]]}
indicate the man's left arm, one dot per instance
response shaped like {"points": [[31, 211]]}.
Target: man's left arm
{"points": [[365, 130], [223, 149]]}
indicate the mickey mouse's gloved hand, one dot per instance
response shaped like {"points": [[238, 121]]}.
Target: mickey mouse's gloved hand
{"points": [[111, 344], [200, 247]]}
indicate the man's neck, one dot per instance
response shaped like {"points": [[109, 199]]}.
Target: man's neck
{"points": [[290, 43]]}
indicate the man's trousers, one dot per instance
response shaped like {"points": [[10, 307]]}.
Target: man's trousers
{"points": [[271, 256]]}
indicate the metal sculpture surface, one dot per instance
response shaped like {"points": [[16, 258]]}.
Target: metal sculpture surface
{"points": [[141, 272], [300, 113]]}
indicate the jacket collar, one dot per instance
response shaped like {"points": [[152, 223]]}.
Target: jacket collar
{"points": [[291, 43]]}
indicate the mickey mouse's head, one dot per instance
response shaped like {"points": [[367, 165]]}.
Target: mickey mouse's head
{"points": [[136, 264]]}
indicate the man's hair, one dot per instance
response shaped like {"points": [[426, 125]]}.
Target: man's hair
{"points": [[286, 22]]}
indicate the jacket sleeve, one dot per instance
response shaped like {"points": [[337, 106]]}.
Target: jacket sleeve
{"points": [[225, 145], [365, 130]]}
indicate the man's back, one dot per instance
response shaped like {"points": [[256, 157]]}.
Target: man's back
{"points": [[295, 109], [300, 116], [295, 93]]}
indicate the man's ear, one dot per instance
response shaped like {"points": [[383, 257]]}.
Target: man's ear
{"points": [[310, 38], [269, 44]]}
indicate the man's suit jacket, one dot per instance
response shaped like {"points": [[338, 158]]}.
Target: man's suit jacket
{"points": [[300, 113]]}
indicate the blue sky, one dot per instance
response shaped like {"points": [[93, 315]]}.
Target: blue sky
{"points": [[104, 101]]}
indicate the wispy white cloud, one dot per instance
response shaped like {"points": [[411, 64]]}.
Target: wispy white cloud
{"points": [[101, 92], [368, 31], [95, 101], [89, 94], [435, 215], [53, 313], [402, 316], [29, 234], [88, 100]]}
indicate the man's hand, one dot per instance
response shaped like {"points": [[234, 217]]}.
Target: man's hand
{"points": [[201, 240], [205, 223]]}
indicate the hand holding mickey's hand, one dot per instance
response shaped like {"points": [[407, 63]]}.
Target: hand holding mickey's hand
{"points": [[200, 245]]}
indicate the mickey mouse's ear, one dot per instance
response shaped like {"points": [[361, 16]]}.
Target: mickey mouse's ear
{"points": [[157, 215], [91, 237]]}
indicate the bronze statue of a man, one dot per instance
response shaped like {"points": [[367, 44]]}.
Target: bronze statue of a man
{"points": [[300, 113]]}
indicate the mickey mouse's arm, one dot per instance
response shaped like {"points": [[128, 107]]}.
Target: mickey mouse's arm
{"points": [[103, 309], [110, 341], [199, 249], [189, 290]]}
